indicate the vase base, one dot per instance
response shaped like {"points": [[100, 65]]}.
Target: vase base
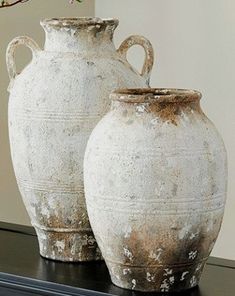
{"points": [[155, 279], [68, 246]]}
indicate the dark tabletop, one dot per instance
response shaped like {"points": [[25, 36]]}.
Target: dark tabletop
{"points": [[24, 272]]}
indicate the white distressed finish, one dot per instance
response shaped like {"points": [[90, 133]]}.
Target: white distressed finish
{"points": [[155, 184], [54, 104]]}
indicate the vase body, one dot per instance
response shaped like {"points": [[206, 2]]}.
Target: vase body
{"points": [[54, 104], [155, 184]]}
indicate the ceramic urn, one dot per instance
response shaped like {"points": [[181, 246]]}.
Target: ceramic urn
{"points": [[155, 174], [54, 104]]}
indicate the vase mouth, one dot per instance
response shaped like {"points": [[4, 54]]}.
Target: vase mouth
{"points": [[79, 22], [155, 95]]}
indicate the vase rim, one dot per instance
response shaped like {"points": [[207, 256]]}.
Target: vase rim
{"points": [[68, 22], [155, 95]]}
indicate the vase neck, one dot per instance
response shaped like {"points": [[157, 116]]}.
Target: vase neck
{"points": [[79, 34], [167, 104]]}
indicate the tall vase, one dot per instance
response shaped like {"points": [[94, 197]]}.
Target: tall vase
{"points": [[54, 104], [155, 184]]}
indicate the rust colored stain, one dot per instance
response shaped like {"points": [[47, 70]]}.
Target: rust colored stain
{"points": [[173, 111]]}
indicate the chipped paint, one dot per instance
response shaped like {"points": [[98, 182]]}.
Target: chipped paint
{"points": [[193, 281], [156, 255], [126, 271], [60, 245], [128, 254], [192, 255], [150, 277], [167, 271], [194, 235], [184, 275], [133, 284], [165, 286]]}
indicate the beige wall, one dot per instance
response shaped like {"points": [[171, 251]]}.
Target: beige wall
{"points": [[23, 20], [195, 46]]}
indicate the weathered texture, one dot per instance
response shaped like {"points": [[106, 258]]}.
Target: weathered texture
{"points": [[54, 105], [155, 184]]}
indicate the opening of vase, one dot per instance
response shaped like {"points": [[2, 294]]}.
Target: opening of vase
{"points": [[79, 34], [155, 95]]}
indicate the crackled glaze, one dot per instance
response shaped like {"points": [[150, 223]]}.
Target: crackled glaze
{"points": [[155, 184], [54, 104]]}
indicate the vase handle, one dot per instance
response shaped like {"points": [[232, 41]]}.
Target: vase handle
{"points": [[10, 54], [149, 52]]}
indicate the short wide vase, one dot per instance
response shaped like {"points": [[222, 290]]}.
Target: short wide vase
{"points": [[155, 184]]}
